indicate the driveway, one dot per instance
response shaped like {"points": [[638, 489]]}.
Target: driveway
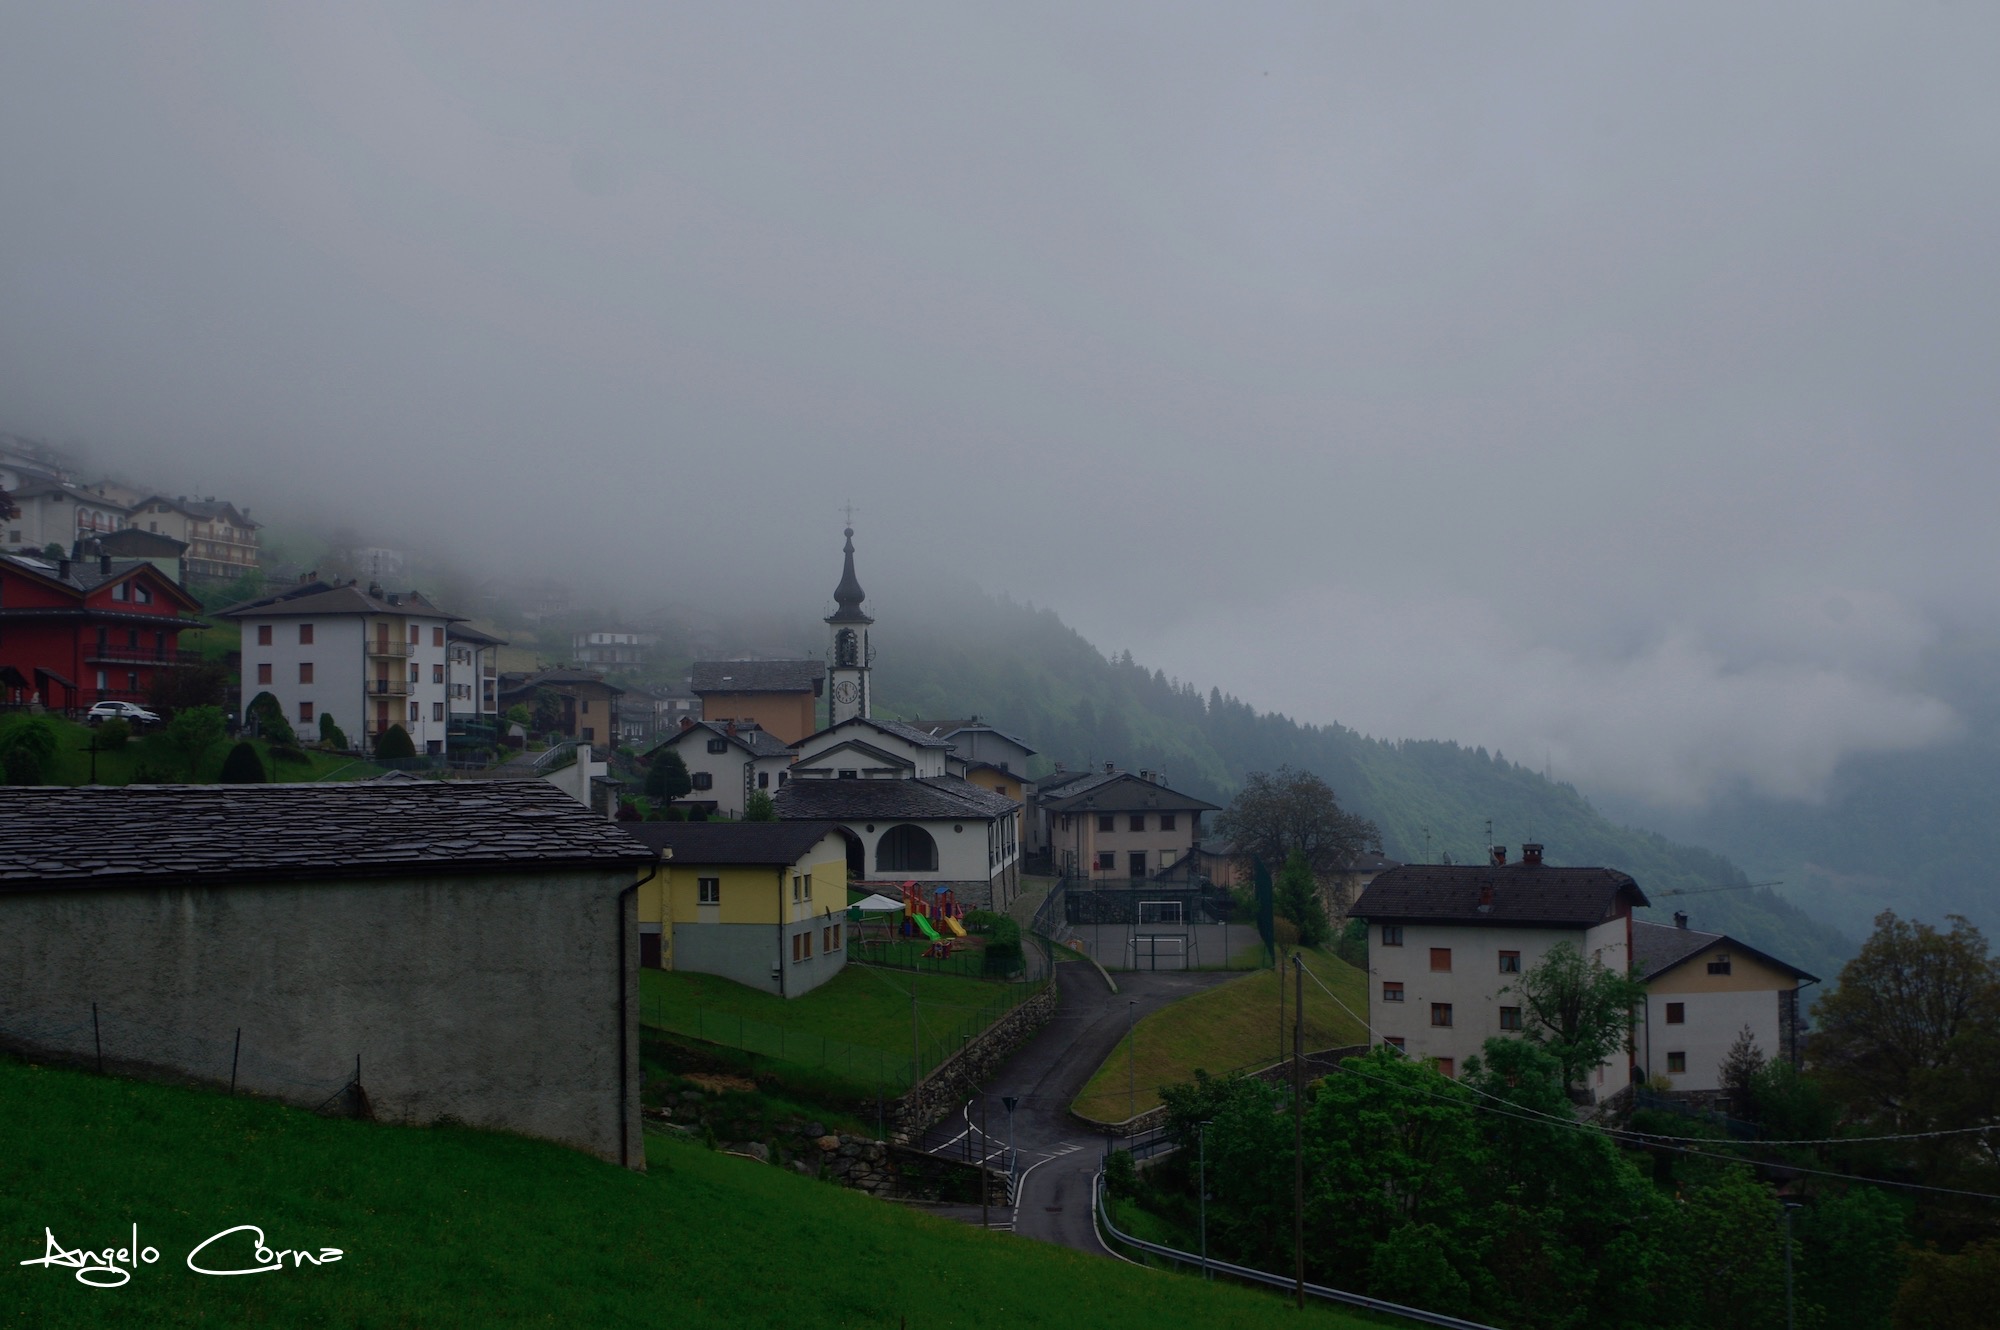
{"points": [[1056, 1157]]}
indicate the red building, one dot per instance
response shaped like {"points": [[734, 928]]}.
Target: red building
{"points": [[74, 633]]}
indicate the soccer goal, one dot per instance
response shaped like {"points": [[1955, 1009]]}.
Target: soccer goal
{"points": [[1152, 951], [1161, 912]]}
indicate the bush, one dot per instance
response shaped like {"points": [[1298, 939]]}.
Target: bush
{"points": [[759, 808], [330, 734], [21, 766], [243, 766], [395, 743], [193, 731], [271, 723], [34, 734], [1121, 1175], [113, 734]]}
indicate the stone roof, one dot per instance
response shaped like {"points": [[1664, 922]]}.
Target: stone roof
{"points": [[316, 598], [758, 676], [693, 843], [554, 677], [1122, 792], [87, 575], [931, 798], [465, 632], [1657, 948], [133, 542], [1518, 895], [172, 835], [753, 739]]}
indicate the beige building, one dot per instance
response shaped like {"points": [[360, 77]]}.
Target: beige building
{"points": [[779, 696], [1702, 991], [221, 538], [1448, 944], [1120, 825]]}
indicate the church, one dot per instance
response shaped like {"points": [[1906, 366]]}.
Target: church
{"points": [[897, 792]]}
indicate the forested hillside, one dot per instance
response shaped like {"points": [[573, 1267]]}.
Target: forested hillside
{"points": [[1030, 674]]}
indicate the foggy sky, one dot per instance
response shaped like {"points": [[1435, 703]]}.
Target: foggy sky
{"points": [[1610, 384]]}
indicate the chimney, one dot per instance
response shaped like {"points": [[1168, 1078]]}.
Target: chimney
{"points": [[1531, 852], [1110, 768], [1680, 919], [1485, 897], [104, 564], [687, 722], [1499, 856], [375, 590], [729, 727], [1060, 768], [62, 568]]}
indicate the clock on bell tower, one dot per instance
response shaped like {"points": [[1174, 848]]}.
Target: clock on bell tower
{"points": [[847, 671]]}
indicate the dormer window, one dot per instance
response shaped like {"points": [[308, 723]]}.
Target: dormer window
{"points": [[1719, 964]]}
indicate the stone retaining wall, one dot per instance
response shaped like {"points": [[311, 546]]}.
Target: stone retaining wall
{"points": [[959, 1075]]}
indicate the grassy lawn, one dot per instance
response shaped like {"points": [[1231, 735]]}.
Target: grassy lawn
{"points": [[147, 756], [857, 1025], [446, 1226], [1231, 1027], [214, 642]]}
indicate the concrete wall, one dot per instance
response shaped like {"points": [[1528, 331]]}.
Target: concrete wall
{"points": [[494, 999], [1717, 1007]]}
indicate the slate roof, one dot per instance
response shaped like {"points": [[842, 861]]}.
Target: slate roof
{"points": [[730, 842], [316, 598], [557, 676], [88, 575], [1657, 948], [1523, 895], [757, 741], [1059, 784], [946, 729], [133, 542], [168, 835], [758, 676], [465, 632], [1122, 792], [207, 509], [930, 797]]}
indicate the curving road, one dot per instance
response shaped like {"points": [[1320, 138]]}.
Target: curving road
{"points": [[1056, 1157]]}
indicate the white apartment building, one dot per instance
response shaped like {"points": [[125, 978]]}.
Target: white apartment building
{"points": [[727, 762], [1448, 944], [473, 671], [366, 657]]}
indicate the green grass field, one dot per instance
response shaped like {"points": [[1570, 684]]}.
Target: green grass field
{"points": [[857, 1025], [1232, 1027], [148, 755], [445, 1226]]}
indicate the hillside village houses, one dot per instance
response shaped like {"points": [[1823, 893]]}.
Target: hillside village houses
{"points": [[472, 672], [1118, 824], [572, 703], [369, 658], [727, 762], [762, 903], [73, 634], [779, 696], [1702, 991]]}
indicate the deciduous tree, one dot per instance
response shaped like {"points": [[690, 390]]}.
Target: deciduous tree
{"points": [[1278, 814], [668, 779], [1578, 1009]]}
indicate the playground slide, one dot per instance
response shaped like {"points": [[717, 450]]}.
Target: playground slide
{"points": [[925, 924], [954, 925]]}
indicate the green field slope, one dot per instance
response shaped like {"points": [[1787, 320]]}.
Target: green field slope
{"points": [[452, 1227]]}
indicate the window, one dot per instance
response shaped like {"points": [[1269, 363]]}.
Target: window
{"points": [[1392, 992], [118, 592], [263, 634], [416, 634], [836, 938], [708, 891], [702, 780], [414, 711], [798, 888], [305, 671], [437, 637], [1137, 823], [142, 594], [847, 773], [826, 938], [586, 706], [1510, 962], [1677, 1064], [1677, 1013], [1720, 965], [1107, 861], [1446, 1066], [1137, 863], [305, 634], [1510, 1018], [1440, 1013], [809, 886], [718, 745], [763, 780], [1106, 822], [1392, 935], [264, 672], [1065, 822], [1441, 960], [306, 712], [437, 713], [1166, 822], [437, 674], [1394, 1041], [906, 849]]}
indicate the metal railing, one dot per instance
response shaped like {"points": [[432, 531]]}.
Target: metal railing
{"points": [[380, 647], [1210, 1263], [130, 655]]}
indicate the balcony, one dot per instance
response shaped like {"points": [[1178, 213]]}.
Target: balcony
{"points": [[130, 655], [380, 647], [388, 688]]}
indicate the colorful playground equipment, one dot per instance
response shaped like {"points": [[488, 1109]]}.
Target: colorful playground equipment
{"points": [[928, 912]]}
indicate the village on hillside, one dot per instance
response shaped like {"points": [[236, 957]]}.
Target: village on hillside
{"points": [[416, 883]]}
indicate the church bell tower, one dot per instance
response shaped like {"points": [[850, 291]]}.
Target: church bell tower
{"points": [[847, 668]]}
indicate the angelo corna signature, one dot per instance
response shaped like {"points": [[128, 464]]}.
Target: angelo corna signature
{"points": [[112, 1267]]}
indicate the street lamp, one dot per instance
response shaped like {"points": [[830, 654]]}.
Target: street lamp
{"points": [[1202, 1183], [1132, 1057]]}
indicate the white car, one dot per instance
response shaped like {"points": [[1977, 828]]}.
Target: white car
{"points": [[131, 712]]}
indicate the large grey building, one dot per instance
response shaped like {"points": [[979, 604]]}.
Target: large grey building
{"points": [[418, 950]]}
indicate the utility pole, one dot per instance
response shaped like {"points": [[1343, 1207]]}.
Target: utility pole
{"points": [[1132, 1058], [1202, 1130], [985, 1173], [1298, 1128]]}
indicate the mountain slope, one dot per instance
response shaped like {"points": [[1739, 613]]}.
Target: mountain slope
{"points": [[1030, 674]]}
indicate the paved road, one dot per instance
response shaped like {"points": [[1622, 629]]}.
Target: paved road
{"points": [[1056, 1156]]}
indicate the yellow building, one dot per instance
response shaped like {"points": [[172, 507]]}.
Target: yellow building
{"points": [[1703, 990], [762, 903]]}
